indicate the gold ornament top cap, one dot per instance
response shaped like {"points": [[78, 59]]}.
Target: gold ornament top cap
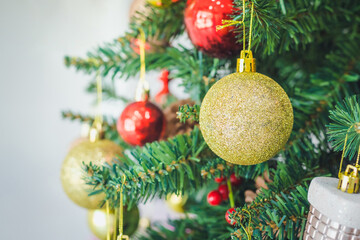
{"points": [[246, 62], [349, 180], [96, 133]]}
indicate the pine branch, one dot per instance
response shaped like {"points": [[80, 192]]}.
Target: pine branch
{"points": [[107, 123], [311, 113], [280, 211], [293, 25], [159, 168], [179, 165], [346, 122], [188, 112], [109, 126], [119, 58]]}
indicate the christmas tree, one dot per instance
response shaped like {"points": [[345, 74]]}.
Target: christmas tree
{"points": [[253, 155]]}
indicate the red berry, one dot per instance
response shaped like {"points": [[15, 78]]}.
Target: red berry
{"points": [[224, 191], [227, 216], [214, 198], [235, 180], [219, 179]]}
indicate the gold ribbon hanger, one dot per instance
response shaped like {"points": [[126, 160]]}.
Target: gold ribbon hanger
{"points": [[121, 215], [142, 90], [96, 128]]}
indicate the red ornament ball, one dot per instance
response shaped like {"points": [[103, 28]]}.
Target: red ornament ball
{"points": [[201, 19], [219, 179], [214, 198], [227, 216], [141, 122], [236, 181], [224, 191]]}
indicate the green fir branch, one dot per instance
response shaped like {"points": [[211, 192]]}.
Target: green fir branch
{"points": [[188, 112], [346, 124], [159, 168], [280, 211]]}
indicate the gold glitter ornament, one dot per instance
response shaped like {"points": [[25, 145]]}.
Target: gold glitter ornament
{"points": [[98, 222], [246, 117], [98, 152]]}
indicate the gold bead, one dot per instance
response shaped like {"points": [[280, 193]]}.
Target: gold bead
{"points": [[246, 118]]}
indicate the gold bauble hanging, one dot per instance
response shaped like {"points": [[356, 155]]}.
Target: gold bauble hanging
{"points": [[72, 174], [246, 117], [98, 222], [176, 202]]}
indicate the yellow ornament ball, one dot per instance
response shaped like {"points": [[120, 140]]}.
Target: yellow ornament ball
{"points": [[246, 118], [176, 202], [98, 222], [72, 174]]}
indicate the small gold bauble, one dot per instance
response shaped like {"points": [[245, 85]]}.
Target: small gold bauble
{"points": [[246, 118], [98, 222], [176, 202], [72, 174]]}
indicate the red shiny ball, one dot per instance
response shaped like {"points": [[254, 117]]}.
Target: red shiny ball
{"points": [[227, 216], [219, 179], [141, 122], [236, 181], [224, 191], [214, 198], [201, 19]]}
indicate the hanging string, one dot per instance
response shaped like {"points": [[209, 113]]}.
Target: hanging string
{"points": [[143, 85], [108, 220], [357, 159], [142, 55], [231, 195], [251, 23], [344, 149], [247, 229], [121, 209], [95, 130], [244, 29], [227, 23], [98, 121], [116, 213]]}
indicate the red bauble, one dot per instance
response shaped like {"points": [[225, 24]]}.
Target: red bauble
{"points": [[214, 198], [141, 122], [227, 216], [219, 179], [201, 19], [236, 181], [224, 191]]}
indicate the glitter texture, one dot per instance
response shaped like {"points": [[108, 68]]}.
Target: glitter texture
{"points": [[246, 118], [72, 173]]}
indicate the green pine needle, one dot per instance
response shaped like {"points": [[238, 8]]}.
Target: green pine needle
{"points": [[346, 121]]}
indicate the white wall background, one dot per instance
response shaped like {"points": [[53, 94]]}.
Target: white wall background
{"points": [[35, 87]]}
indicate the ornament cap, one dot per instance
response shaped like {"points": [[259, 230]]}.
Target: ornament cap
{"points": [[96, 133], [349, 180], [246, 62], [142, 95]]}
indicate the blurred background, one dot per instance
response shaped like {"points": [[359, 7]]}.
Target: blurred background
{"points": [[35, 88]]}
